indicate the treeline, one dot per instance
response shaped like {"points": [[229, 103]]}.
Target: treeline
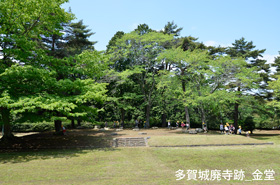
{"points": [[50, 71]]}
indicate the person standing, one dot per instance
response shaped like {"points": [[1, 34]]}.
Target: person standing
{"points": [[239, 130], [204, 127], [187, 126], [226, 129], [169, 124], [114, 125], [222, 128], [136, 123], [182, 124]]}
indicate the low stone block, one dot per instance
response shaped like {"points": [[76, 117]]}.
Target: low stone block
{"points": [[192, 132], [142, 133]]}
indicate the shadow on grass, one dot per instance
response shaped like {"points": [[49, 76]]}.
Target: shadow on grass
{"points": [[29, 155], [264, 135], [47, 146]]}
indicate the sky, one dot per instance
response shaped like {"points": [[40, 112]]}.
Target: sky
{"points": [[213, 22]]}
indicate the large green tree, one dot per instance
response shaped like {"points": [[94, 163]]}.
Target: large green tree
{"points": [[141, 48], [36, 81], [22, 24], [246, 50]]}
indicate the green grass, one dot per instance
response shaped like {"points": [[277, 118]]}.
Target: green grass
{"points": [[200, 140], [138, 165]]}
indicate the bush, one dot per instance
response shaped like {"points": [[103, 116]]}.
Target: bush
{"points": [[87, 125], [37, 127], [33, 127], [248, 124]]}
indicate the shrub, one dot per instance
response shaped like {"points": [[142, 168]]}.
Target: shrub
{"points": [[33, 127], [248, 124]]}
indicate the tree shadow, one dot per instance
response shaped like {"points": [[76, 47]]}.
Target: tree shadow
{"points": [[46, 145]]}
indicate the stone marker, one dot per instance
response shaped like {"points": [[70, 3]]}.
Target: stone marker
{"points": [[154, 127], [185, 131], [192, 132], [106, 128], [142, 133], [136, 129], [118, 130]]}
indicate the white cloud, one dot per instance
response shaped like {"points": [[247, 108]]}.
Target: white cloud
{"points": [[216, 44], [269, 58]]}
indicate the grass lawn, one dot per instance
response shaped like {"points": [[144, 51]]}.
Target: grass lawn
{"points": [[201, 140], [145, 165]]}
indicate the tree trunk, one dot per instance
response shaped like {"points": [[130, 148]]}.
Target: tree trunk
{"points": [[236, 105], [72, 123], [7, 131], [148, 108], [186, 108], [187, 116], [122, 116], [79, 121], [235, 124], [58, 127], [163, 120], [203, 118]]}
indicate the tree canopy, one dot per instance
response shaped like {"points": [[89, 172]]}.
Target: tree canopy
{"points": [[50, 70]]}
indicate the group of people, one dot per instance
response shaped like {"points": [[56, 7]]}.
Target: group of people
{"points": [[225, 129], [187, 125], [116, 124], [229, 129], [139, 122]]}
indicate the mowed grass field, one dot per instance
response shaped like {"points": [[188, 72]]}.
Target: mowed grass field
{"points": [[146, 165]]}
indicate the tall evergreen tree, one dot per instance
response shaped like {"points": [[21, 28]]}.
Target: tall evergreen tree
{"points": [[77, 38], [246, 50], [172, 28]]}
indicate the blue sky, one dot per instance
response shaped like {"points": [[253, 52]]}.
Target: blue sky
{"points": [[214, 22]]}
